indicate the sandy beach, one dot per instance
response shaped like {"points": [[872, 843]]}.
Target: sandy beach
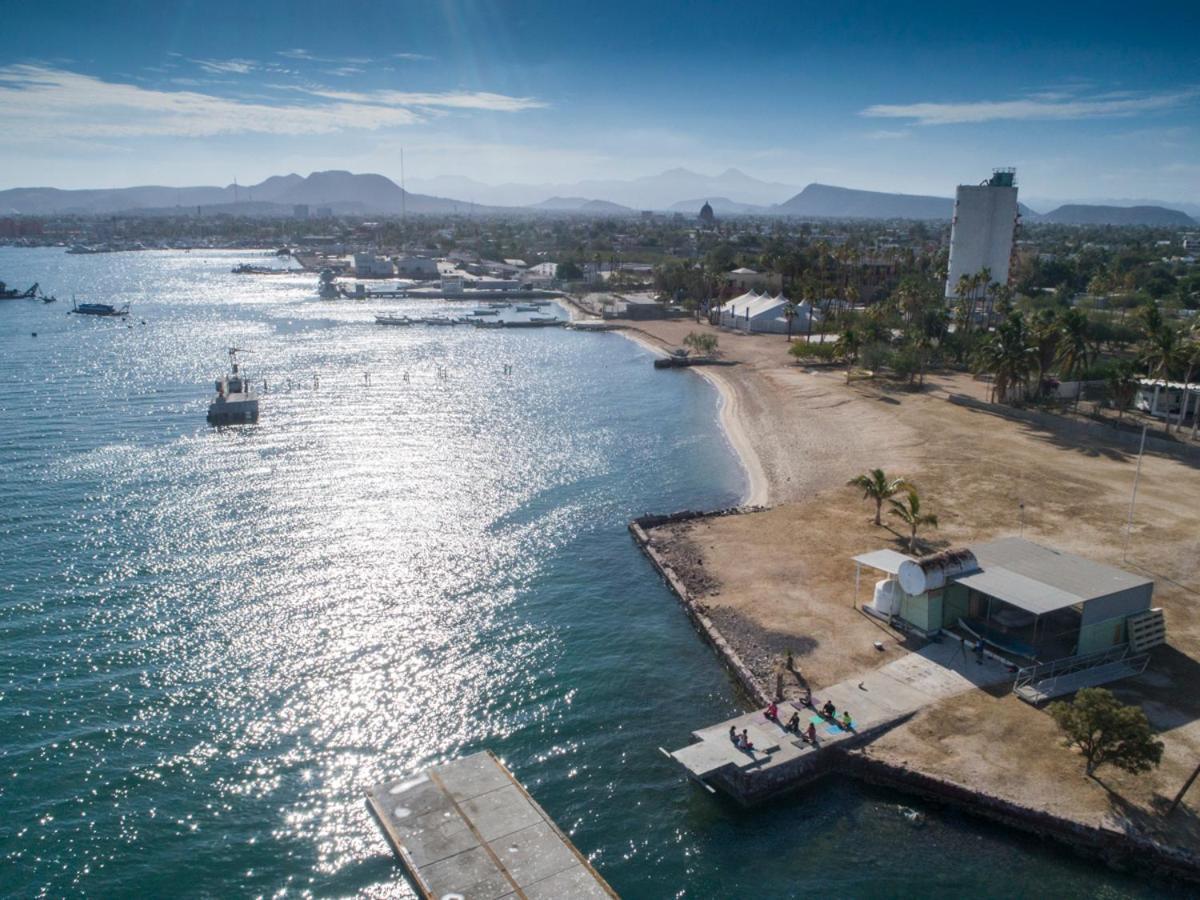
{"points": [[781, 580]]}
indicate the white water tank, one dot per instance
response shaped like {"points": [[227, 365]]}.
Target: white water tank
{"points": [[886, 601], [931, 572]]}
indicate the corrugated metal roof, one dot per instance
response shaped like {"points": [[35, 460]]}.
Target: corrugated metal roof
{"points": [[1085, 579], [1023, 593], [884, 560]]}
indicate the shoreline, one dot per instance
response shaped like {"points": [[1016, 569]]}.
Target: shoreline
{"points": [[729, 416]]}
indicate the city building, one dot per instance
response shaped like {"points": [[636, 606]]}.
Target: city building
{"points": [[1191, 242], [417, 267], [745, 279], [368, 265], [984, 226], [706, 214], [324, 212], [300, 211]]}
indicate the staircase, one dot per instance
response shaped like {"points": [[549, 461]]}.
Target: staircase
{"points": [[1037, 684]]}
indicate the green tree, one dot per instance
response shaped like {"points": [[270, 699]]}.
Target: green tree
{"points": [[1107, 731], [1073, 342], [877, 486], [908, 510], [702, 342]]}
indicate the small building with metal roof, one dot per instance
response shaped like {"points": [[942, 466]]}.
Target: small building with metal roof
{"points": [[1026, 599]]}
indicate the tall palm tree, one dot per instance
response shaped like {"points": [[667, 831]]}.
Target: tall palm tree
{"points": [[847, 345], [1006, 353], [877, 486], [789, 313], [1073, 344], [1188, 356], [1045, 336], [908, 511], [1122, 385]]}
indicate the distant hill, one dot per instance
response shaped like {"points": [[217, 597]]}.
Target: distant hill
{"points": [[828, 201], [659, 191], [582, 205], [1083, 214], [343, 191]]}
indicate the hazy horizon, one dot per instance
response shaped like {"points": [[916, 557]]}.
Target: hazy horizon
{"points": [[1087, 107]]}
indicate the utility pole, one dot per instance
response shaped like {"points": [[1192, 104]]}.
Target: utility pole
{"points": [[1183, 790], [1133, 497]]}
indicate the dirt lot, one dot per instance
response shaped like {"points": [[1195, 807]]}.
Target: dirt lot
{"points": [[782, 579]]}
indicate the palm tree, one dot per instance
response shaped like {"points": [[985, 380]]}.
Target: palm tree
{"points": [[1122, 385], [1008, 355], [1045, 336], [878, 487], [847, 345], [1073, 344], [910, 513], [1188, 356], [789, 313]]}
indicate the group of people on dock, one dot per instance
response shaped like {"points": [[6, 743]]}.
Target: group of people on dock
{"points": [[828, 712]]}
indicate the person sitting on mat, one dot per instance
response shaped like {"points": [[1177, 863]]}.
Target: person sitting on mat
{"points": [[733, 734], [772, 712], [829, 710], [811, 734], [847, 722], [746, 745], [794, 723]]}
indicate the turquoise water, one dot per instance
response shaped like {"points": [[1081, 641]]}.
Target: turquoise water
{"points": [[211, 642]]}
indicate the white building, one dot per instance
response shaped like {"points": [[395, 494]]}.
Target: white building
{"points": [[985, 221], [368, 265], [764, 314], [417, 267], [744, 279]]}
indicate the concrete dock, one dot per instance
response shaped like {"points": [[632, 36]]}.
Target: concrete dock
{"points": [[468, 829], [877, 701]]}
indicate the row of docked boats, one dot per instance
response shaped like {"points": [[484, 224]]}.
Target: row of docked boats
{"points": [[478, 319]]}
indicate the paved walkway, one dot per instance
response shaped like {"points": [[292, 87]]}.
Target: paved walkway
{"points": [[884, 695]]}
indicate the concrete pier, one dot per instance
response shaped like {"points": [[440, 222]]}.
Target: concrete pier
{"points": [[468, 829], [877, 702]]}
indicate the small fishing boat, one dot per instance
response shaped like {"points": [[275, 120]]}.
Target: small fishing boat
{"points": [[529, 308], [236, 402], [99, 309], [484, 323], [394, 320], [485, 312], [543, 319], [439, 320], [499, 305]]}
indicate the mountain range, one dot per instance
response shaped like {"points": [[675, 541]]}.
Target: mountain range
{"points": [[349, 193]]}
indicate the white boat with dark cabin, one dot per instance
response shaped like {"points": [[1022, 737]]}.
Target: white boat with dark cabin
{"points": [[236, 402]]}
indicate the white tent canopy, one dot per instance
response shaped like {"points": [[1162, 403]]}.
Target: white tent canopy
{"points": [[753, 311]]}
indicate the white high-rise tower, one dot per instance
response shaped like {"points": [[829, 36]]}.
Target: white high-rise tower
{"points": [[985, 221]]}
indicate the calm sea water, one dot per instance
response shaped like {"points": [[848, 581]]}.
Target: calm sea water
{"points": [[211, 642]]}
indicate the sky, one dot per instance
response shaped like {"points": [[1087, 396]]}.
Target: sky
{"points": [[1087, 101]]}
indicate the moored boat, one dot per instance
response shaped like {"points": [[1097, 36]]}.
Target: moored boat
{"points": [[236, 402], [99, 309]]}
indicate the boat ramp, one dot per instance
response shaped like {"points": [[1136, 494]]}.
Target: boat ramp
{"points": [[469, 829]]}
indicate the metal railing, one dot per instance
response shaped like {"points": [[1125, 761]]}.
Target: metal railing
{"points": [[1053, 671]]}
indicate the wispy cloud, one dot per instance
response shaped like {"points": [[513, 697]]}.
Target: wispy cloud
{"points": [[482, 100], [885, 134], [1046, 105], [56, 102], [227, 66]]}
